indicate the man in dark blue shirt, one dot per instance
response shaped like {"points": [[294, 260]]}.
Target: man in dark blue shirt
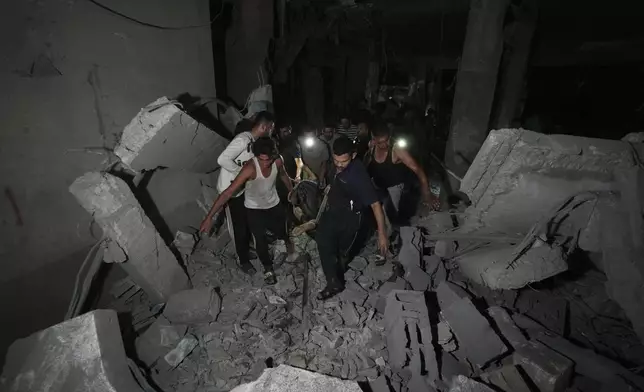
{"points": [[351, 196]]}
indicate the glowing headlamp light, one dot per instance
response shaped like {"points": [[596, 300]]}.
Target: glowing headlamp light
{"points": [[401, 143], [309, 142]]}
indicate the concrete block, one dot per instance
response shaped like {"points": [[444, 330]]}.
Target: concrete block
{"points": [[194, 306], [517, 173], [409, 334], [493, 266], [508, 379], [417, 278], [465, 384], [286, 378], [506, 326], [162, 135], [473, 332], [381, 384], [548, 370], [82, 354], [445, 249], [151, 264]]}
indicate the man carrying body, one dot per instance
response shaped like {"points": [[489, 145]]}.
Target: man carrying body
{"points": [[387, 164], [350, 197], [231, 161], [264, 211]]}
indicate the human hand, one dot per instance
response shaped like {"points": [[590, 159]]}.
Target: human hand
{"points": [[206, 225], [383, 244]]}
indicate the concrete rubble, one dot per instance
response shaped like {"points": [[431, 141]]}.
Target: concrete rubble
{"points": [[82, 354], [458, 309], [163, 135], [150, 262]]}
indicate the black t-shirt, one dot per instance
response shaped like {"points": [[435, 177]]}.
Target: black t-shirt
{"points": [[353, 185], [290, 150]]}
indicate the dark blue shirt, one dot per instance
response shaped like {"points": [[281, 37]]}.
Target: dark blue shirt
{"points": [[355, 186]]}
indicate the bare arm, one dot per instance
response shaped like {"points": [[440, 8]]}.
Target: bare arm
{"points": [[379, 214], [247, 173], [299, 164], [410, 162], [283, 175]]}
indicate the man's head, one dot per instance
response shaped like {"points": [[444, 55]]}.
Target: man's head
{"points": [[343, 152], [381, 136], [328, 132], [363, 129], [265, 152], [345, 122], [285, 131], [263, 124]]}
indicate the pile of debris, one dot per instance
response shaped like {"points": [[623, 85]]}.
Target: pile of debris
{"points": [[467, 305]]}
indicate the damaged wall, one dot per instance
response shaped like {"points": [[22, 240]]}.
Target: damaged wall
{"points": [[73, 76]]}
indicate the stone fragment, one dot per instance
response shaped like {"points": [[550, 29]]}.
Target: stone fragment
{"points": [[183, 349], [465, 384], [276, 300], [413, 244], [472, 330], [445, 249], [194, 306], [380, 301], [354, 293], [359, 263], [369, 374], [417, 278], [150, 263], [157, 340], [350, 315], [82, 354], [446, 337], [216, 352], [506, 326], [508, 378], [548, 370], [162, 135], [450, 367]]}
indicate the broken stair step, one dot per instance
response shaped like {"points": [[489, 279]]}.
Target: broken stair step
{"points": [[472, 330]]}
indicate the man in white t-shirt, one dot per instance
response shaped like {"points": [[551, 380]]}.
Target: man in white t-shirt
{"points": [[238, 152]]}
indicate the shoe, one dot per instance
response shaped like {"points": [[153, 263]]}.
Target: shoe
{"points": [[248, 268], [269, 277], [329, 292]]}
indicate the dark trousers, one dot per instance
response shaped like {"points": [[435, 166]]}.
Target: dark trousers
{"points": [[237, 214], [336, 235], [259, 221]]}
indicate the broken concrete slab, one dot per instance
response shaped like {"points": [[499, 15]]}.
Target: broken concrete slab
{"points": [[157, 340], [548, 370], [179, 196], [517, 172], [413, 244], [506, 326], [409, 334], [496, 267], [508, 378], [588, 363], [286, 378], [194, 306], [150, 263], [418, 279], [465, 384], [162, 135], [473, 332], [82, 354]]}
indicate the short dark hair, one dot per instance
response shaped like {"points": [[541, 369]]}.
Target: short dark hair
{"points": [[381, 129], [263, 117], [264, 146], [342, 145]]}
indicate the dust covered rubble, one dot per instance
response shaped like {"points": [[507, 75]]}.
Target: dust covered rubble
{"points": [[379, 330]]}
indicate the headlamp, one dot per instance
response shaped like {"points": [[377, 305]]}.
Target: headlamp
{"points": [[401, 143], [309, 142]]}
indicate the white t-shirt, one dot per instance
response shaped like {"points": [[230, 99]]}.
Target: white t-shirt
{"points": [[232, 160]]}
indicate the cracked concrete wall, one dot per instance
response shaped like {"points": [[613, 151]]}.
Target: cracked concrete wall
{"points": [[72, 76]]}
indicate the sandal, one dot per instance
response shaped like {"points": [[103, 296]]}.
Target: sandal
{"points": [[248, 268], [328, 292], [269, 277]]}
